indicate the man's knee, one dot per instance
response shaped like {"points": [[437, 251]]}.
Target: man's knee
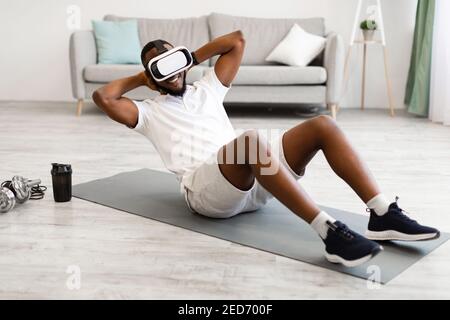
{"points": [[324, 124], [251, 135], [252, 139], [251, 145]]}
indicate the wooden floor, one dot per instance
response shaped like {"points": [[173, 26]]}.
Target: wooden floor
{"points": [[125, 256]]}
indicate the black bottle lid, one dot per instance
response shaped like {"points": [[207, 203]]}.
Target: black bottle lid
{"points": [[59, 168]]}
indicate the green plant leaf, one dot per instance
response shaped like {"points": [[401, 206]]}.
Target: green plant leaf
{"points": [[368, 25]]}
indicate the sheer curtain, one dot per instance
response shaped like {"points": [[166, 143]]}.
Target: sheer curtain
{"points": [[440, 65]]}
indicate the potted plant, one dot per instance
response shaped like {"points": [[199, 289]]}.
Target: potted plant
{"points": [[368, 28]]}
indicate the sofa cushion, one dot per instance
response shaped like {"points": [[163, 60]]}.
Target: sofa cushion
{"points": [[189, 32], [247, 75], [279, 75], [262, 34], [117, 41], [103, 73], [298, 48]]}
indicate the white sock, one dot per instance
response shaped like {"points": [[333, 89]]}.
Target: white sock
{"points": [[379, 204], [320, 223]]}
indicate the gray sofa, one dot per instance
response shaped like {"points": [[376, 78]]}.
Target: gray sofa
{"points": [[257, 82]]}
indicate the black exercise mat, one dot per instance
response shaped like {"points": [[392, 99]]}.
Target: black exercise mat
{"points": [[155, 195]]}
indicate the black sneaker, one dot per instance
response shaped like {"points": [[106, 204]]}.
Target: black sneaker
{"points": [[349, 248], [395, 225]]}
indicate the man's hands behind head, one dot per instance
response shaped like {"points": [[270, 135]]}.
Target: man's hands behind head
{"points": [[147, 81]]}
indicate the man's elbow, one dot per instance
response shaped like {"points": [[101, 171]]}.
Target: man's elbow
{"points": [[99, 99], [239, 39]]}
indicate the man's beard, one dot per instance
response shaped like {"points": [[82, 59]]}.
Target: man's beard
{"points": [[177, 93]]}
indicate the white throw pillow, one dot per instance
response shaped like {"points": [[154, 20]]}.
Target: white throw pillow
{"points": [[298, 48]]}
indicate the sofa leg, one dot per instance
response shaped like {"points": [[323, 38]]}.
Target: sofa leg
{"points": [[334, 109], [79, 107]]}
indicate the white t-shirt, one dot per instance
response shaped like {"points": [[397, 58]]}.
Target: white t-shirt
{"points": [[189, 129]]}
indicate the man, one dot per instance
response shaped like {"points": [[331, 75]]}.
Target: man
{"points": [[223, 175]]}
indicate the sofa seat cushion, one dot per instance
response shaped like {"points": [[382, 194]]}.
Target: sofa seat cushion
{"points": [[280, 75], [102, 73]]}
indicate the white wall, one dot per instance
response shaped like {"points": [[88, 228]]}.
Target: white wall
{"points": [[34, 61]]}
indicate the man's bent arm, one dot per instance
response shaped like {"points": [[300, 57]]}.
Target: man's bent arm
{"points": [[110, 99], [230, 47]]}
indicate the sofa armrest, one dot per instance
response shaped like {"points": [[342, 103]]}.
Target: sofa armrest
{"points": [[334, 64], [82, 52]]}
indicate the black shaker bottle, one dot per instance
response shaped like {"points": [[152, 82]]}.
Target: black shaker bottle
{"points": [[62, 182]]}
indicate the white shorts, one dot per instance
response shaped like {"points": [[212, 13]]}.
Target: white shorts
{"points": [[212, 195]]}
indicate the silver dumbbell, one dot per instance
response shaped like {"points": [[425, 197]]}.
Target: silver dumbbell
{"points": [[7, 200], [20, 189]]}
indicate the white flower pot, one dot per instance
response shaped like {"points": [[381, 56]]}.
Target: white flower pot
{"points": [[368, 35]]}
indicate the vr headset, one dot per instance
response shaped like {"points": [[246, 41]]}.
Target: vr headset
{"points": [[169, 62]]}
